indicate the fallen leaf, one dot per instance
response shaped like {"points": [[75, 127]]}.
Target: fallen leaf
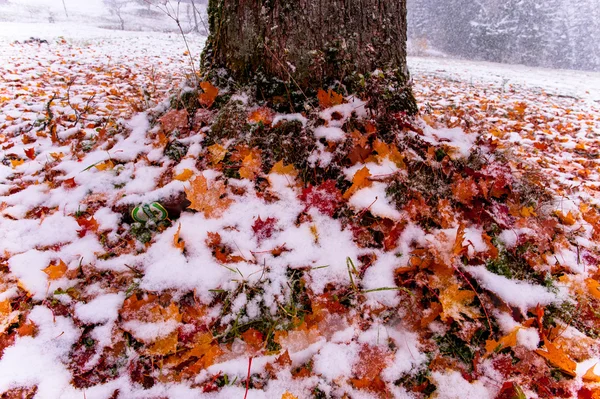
{"points": [[185, 175], [465, 190], [210, 93], [507, 341], [262, 115], [30, 153], [590, 375], [569, 219], [360, 180], [280, 169], [56, 271], [329, 98], [251, 166], [177, 242], [527, 211], [108, 164], [208, 199], [288, 395], [5, 308], [455, 302], [216, 153], [593, 287], [86, 225], [164, 346], [16, 162], [558, 358]]}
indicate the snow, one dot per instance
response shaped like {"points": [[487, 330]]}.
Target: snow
{"points": [[520, 294], [451, 385]]}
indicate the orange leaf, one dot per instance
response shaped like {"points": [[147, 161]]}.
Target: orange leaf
{"points": [[206, 198], [591, 376], [172, 120], [329, 98], [55, 272], [253, 338], [216, 153], [251, 166], [558, 358], [593, 287], [288, 395], [527, 211], [57, 155], [262, 115], [177, 242], [207, 98], [280, 169], [458, 248], [465, 190], [108, 164], [507, 341], [360, 180], [569, 219], [5, 308], [185, 175], [70, 183]]}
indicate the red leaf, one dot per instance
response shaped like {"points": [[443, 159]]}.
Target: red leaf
{"points": [[30, 152], [326, 197], [87, 225], [264, 228]]}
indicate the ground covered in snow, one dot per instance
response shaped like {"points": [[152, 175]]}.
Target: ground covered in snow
{"points": [[335, 253]]}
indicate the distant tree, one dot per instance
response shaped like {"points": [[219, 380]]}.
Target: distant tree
{"points": [[115, 7]]}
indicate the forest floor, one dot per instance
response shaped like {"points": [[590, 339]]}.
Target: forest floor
{"points": [[458, 259]]}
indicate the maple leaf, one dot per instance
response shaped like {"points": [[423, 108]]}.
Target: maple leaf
{"points": [[388, 151], [253, 338], [280, 169], [16, 162], [593, 287], [108, 164], [264, 228], [511, 390], [30, 153], [558, 358], [262, 115], [507, 341], [210, 93], [329, 98], [455, 303], [56, 271], [86, 225], [590, 375], [251, 166], [208, 199], [326, 197], [216, 153], [177, 242], [185, 175], [174, 119], [288, 395], [70, 183], [569, 219], [164, 346], [465, 190], [360, 180], [527, 211], [5, 308]]}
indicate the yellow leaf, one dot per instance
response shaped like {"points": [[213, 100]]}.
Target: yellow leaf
{"points": [[455, 303], [57, 155], [164, 346], [177, 242], [55, 272], [251, 166], [209, 199], [288, 395], [210, 93], [558, 358], [185, 175], [569, 219], [314, 232], [593, 287], [108, 164], [216, 153], [527, 211], [360, 180], [590, 375], [16, 162], [280, 169], [507, 341]]}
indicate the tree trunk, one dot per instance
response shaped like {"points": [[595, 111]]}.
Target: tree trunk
{"points": [[306, 44]]}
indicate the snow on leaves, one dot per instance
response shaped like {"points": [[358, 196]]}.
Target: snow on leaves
{"points": [[208, 198]]}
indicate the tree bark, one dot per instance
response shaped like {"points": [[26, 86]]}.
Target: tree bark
{"points": [[308, 44]]}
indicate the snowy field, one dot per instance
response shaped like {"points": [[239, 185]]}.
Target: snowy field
{"points": [[77, 156]]}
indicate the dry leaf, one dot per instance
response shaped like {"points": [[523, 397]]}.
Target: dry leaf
{"points": [[360, 180], [16, 162], [288, 395], [593, 287], [177, 242], [329, 98], [507, 341], [207, 98], [558, 358], [208, 199], [280, 169], [216, 153], [251, 166], [527, 211], [569, 219], [164, 346], [185, 175], [5, 308], [590, 375], [56, 271], [108, 164], [455, 303], [262, 115]]}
